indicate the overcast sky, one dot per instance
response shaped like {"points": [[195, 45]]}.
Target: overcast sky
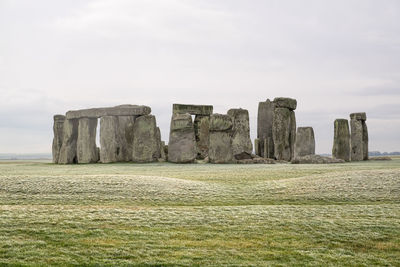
{"points": [[335, 57]]}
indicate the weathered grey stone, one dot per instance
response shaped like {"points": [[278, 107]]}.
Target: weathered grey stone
{"points": [[341, 140], [68, 148], [192, 109], [86, 143], [163, 155], [292, 133], [116, 138], [220, 147], [257, 146], [124, 137], [158, 140], [283, 132], [220, 122], [241, 142], [243, 155], [359, 136], [182, 141], [356, 140], [305, 142], [202, 129], [58, 130], [315, 159], [264, 129], [365, 141], [122, 110], [109, 139], [284, 102], [181, 122], [145, 139], [358, 116]]}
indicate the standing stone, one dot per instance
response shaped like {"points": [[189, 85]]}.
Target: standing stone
{"points": [[356, 140], [182, 140], [58, 130], [145, 139], [241, 142], [292, 132], [220, 149], [365, 141], [163, 156], [264, 128], [68, 148], [359, 136], [341, 140], [202, 129], [125, 137], [110, 148], [284, 128], [257, 146], [281, 132], [86, 144], [305, 142]]}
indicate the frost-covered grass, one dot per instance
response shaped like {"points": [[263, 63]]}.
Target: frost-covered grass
{"points": [[166, 214]]}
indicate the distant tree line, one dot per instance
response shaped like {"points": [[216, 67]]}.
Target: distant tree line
{"points": [[378, 153]]}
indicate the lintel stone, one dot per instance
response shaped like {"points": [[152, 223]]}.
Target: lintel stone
{"points": [[122, 110], [192, 109]]}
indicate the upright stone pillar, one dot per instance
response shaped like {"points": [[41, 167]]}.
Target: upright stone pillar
{"points": [[182, 140], [86, 144], [241, 142], [58, 130], [305, 142], [125, 137], [264, 129], [220, 149], [365, 141], [68, 149], [202, 129], [145, 140], [359, 136], [284, 128], [341, 140], [109, 139]]}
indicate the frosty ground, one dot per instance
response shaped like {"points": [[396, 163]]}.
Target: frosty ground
{"points": [[199, 214]]}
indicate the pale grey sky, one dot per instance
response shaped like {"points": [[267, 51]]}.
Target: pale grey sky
{"points": [[334, 57]]}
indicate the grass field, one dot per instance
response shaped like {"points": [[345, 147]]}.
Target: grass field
{"points": [[200, 214]]}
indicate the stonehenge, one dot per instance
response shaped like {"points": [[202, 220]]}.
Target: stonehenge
{"points": [[276, 129], [359, 136], [129, 133], [341, 140]]}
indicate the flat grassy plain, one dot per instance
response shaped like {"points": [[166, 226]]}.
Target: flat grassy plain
{"points": [[200, 214]]}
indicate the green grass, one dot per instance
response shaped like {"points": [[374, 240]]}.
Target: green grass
{"points": [[200, 214]]}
